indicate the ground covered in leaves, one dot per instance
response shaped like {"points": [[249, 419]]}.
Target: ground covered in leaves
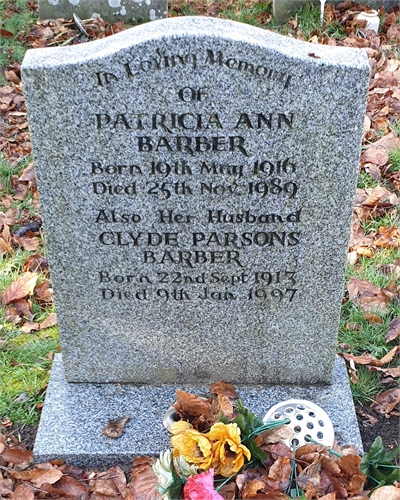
{"points": [[272, 471], [370, 327]]}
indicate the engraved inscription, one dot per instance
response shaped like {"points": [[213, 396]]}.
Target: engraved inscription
{"points": [[181, 255]]}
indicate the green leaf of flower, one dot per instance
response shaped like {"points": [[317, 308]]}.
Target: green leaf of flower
{"points": [[256, 452]]}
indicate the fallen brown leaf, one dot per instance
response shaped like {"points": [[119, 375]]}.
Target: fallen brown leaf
{"points": [[6, 487], [115, 427], [389, 356], [200, 412], [5, 247], [144, 481], [20, 288], [329, 496], [280, 471], [366, 295], [29, 327], [390, 372], [51, 320], [38, 476], [277, 435], [225, 406], [67, 486], [252, 488], [228, 491], [22, 492], [106, 488], [351, 476], [386, 493], [17, 456], [28, 174], [373, 318], [393, 331], [6, 34], [192, 404], [368, 359], [29, 244], [24, 308], [224, 388], [376, 155], [376, 195], [36, 262], [386, 401], [119, 478]]}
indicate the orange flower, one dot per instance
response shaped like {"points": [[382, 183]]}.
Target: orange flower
{"points": [[194, 446], [228, 453]]}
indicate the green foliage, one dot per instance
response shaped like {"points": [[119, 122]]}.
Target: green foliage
{"points": [[175, 489], [367, 386], [378, 466], [24, 366], [365, 181], [335, 30], [249, 15], [10, 48], [389, 219], [308, 18], [7, 171], [394, 158], [250, 425], [357, 335], [395, 125]]}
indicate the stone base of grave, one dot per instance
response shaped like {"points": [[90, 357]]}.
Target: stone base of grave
{"points": [[75, 414]]}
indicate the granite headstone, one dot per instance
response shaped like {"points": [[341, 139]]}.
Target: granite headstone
{"points": [[136, 11], [197, 180]]}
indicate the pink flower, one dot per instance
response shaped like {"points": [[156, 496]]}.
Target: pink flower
{"points": [[201, 487]]}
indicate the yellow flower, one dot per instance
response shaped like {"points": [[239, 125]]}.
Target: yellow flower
{"points": [[180, 426], [228, 453], [194, 446]]}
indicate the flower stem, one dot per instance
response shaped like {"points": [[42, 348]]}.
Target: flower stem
{"points": [[320, 444], [269, 426]]}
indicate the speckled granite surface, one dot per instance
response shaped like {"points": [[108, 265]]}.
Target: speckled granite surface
{"points": [[197, 179], [75, 414], [110, 10]]}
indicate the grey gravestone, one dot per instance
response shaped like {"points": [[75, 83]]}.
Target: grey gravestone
{"points": [[197, 179], [110, 10], [285, 9]]}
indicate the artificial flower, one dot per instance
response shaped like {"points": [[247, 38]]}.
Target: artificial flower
{"points": [[183, 468], [194, 446], [179, 427], [201, 487], [163, 470], [228, 453]]}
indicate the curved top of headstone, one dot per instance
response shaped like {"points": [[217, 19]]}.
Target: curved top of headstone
{"points": [[199, 27]]}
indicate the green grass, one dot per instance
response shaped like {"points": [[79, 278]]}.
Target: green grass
{"points": [[7, 171], [21, 21], [247, 15], [24, 363], [24, 366], [394, 158], [368, 337], [395, 125], [365, 181], [389, 219], [308, 18], [367, 387], [336, 31]]}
